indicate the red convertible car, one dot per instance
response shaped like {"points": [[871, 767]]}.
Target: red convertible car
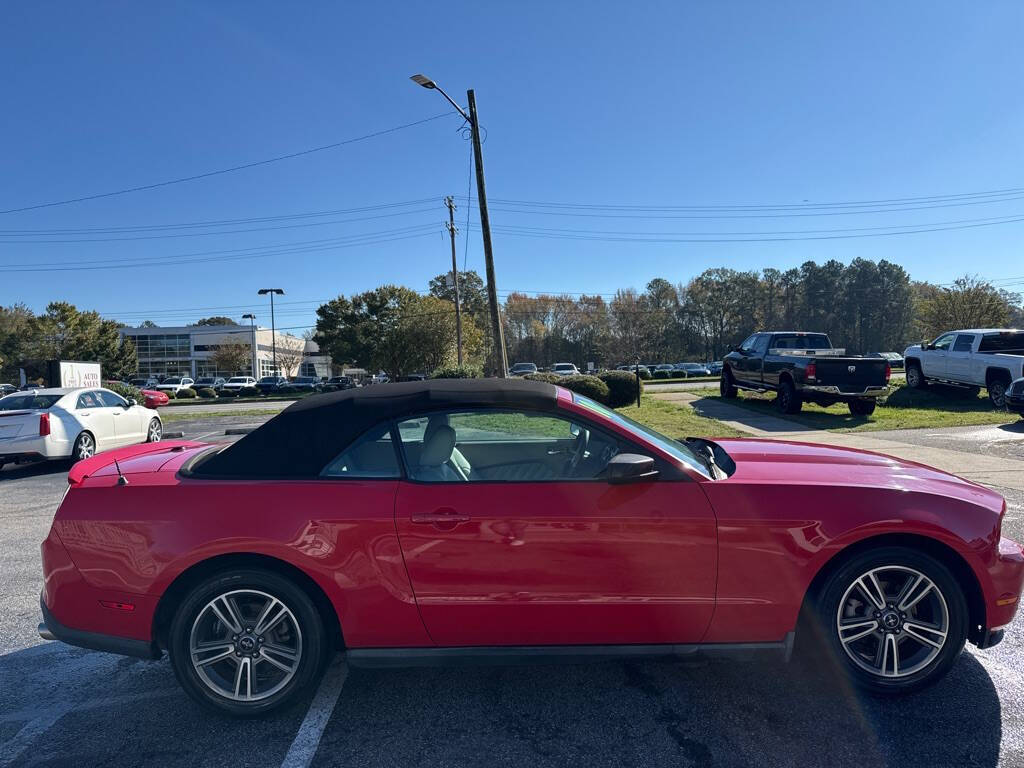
{"points": [[489, 520]]}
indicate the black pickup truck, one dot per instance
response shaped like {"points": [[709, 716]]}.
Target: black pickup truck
{"points": [[804, 367]]}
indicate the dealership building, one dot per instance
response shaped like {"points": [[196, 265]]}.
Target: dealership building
{"points": [[187, 351]]}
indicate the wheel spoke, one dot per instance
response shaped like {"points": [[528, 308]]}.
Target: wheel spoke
{"points": [[226, 651], [265, 657], [243, 676], [932, 636], [856, 630], [261, 623], [280, 650], [227, 614], [893, 652], [877, 596], [912, 598]]}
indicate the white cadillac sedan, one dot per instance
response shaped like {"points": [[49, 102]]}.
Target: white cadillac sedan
{"points": [[71, 423]]}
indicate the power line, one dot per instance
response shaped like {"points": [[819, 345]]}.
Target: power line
{"points": [[232, 169]]}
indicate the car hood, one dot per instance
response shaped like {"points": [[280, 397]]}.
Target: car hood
{"points": [[785, 462]]}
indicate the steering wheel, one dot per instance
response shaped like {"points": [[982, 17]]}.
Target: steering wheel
{"points": [[582, 440]]}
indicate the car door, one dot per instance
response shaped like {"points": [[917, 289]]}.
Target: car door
{"points": [[97, 418], [934, 361], [127, 427], [741, 363], [515, 539], [960, 360]]}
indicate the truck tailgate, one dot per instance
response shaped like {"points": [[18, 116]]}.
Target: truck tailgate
{"points": [[851, 373]]}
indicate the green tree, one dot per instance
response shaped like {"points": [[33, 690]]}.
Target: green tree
{"points": [[17, 328], [65, 333], [968, 303], [215, 320], [472, 291]]}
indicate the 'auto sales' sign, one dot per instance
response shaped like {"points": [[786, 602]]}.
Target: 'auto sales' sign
{"points": [[74, 374]]}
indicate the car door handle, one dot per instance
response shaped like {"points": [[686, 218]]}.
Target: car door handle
{"points": [[443, 516]]}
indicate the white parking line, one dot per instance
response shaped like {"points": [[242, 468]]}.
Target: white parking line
{"points": [[303, 748]]}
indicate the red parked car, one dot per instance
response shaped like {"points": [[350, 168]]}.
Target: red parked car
{"points": [[445, 521], [153, 398]]}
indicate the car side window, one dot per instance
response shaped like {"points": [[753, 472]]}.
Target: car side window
{"points": [[112, 400], [748, 345], [370, 456], [761, 344], [944, 341], [89, 400], [495, 445], [964, 342]]}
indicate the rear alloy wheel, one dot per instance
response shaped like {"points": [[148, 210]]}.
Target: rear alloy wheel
{"points": [[726, 386], [997, 394], [155, 431], [915, 379], [787, 400], [247, 642], [895, 619], [84, 448], [861, 407]]}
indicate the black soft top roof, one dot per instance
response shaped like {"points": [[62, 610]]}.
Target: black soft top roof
{"points": [[305, 436]]}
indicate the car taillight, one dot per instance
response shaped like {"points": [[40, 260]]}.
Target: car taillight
{"points": [[888, 372], [812, 371], [44, 424]]}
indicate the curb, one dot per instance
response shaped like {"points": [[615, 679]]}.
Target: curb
{"points": [[174, 435], [239, 431]]}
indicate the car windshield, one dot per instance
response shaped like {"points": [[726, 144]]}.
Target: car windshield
{"points": [[204, 380], [237, 380], [268, 379], [667, 444], [564, 367], [175, 380], [28, 402]]}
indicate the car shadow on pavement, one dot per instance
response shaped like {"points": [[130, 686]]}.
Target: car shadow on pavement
{"points": [[658, 713], [34, 469], [63, 706]]}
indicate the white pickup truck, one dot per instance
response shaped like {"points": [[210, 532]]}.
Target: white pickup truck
{"points": [[973, 358]]}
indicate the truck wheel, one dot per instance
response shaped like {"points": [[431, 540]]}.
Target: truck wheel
{"points": [[787, 400], [997, 393], [726, 386], [862, 407], [915, 379]]}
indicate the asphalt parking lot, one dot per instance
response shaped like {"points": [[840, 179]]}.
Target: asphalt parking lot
{"points": [[63, 706]]}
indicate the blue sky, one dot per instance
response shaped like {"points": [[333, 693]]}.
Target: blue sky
{"points": [[649, 104]]}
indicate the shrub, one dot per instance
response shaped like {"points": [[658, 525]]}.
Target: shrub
{"points": [[621, 387], [663, 374], [549, 378], [588, 386], [458, 372], [645, 373], [248, 392], [127, 391], [228, 393], [207, 393], [186, 394]]}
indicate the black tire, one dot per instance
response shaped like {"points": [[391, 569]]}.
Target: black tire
{"points": [[726, 385], [304, 627], [997, 393], [915, 378], [840, 590], [84, 447], [862, 407], [787, 400]]}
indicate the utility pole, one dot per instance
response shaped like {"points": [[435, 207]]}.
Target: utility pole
{"points": [[252, 328], [273, 328], [448, 201], [485, 228], [485, 223]]}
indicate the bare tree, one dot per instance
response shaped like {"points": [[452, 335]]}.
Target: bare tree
{"points": [[232, 357], [289, 359]]}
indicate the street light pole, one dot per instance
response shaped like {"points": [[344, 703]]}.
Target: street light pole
{"points": [[455, 278], [273, 328], [252, 328], [485, 223]]}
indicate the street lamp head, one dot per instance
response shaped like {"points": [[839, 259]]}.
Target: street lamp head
{"points": [[248, 317], [423, 80], [264, 291]]}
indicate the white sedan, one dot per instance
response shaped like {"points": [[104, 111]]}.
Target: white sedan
{"points": [[71, 423]]}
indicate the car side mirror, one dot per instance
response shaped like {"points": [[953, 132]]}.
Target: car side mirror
{"points": [[132, 401], [630, 468]]}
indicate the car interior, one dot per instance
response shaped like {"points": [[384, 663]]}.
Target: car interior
{"points": [[482, 446]]}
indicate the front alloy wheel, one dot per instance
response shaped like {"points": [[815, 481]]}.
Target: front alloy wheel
{"points": [[247, 642], [155, 431], [894, 618], [84, 448]]}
